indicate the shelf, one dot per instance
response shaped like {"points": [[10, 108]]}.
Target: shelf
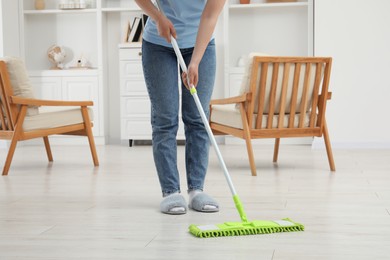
{"points": [[121, 9], [65, 72], [265, 5], [130, 45], [59, 11], [82, 11]]}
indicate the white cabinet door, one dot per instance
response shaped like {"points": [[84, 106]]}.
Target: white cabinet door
{"points": [[47, 87], [135, 106], [84, 88], [80, 88]]}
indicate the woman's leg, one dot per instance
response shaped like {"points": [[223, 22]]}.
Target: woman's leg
{"points": [[160, 71], [197, 140]]}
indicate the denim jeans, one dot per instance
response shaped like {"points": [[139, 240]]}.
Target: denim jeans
{"points": [[160, 68]]}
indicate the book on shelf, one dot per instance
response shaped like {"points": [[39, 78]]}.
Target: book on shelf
{"points": [[144, 20], [127, 31], [136, 30]]}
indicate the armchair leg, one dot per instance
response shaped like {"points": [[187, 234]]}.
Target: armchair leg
{"points": [[250, 155], [328, 148], [93, 148], [48, 150], [247, 137], [15, 138], [276, 149], [91, 140], [10, 155]]}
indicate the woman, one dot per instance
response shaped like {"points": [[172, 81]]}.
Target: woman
{"points": [[192, 23]]}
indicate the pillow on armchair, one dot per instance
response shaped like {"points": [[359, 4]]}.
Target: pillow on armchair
{"points": [[245, 83], [20, 82]]}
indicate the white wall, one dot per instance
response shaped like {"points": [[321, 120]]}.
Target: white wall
{"points": [[9, 28], [356, 34], [219, 77], [1, 30]]}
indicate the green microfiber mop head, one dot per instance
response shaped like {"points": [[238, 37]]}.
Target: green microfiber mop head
{"points": [[245, 227]]}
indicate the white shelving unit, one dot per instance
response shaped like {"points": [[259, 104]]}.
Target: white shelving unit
{"points": [[94, 33], [284, 29], [134, 100]]}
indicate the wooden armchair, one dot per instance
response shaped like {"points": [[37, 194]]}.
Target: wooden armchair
{"points": [[279, 97], [21, 119]]}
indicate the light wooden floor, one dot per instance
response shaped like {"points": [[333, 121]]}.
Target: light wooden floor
{"points": [[71, 210]]}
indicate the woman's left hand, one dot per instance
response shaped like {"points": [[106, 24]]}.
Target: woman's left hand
{"points": [[192, 78]]}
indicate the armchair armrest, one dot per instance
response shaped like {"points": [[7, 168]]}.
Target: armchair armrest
{"points": [[41, 102], [231, 100], [328, 97]]}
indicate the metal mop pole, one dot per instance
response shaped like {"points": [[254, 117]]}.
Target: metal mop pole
{"points": [[210, 133]]}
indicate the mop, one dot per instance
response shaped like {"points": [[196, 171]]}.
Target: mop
{"points": [[245, 227]]}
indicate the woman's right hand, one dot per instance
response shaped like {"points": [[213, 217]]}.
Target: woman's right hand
{"points": [[165, 28]]}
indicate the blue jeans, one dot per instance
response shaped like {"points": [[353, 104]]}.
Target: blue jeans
{"points": [[161, 76]]}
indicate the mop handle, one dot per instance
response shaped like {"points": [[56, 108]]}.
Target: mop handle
{"points": [[203, 116], [210, 133]]}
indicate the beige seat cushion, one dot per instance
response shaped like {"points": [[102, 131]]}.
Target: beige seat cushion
{"points": [[229, 115], [52, 117], [245, 86], [20, 82]]}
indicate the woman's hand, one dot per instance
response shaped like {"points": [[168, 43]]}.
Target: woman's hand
{"points": [[165, 28], [192, 78], [164, 25]]}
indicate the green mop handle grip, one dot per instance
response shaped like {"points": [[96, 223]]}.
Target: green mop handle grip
{"points": [[192, 90], [240, 208]]}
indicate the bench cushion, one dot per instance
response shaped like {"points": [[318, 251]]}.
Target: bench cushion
{"points": [[52, 117]]}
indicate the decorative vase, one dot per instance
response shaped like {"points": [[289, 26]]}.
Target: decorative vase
{"points": [[244, 1], [39, 4]]}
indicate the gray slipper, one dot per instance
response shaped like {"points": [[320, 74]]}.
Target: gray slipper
{"points": [[173, 201], [200, 200]]}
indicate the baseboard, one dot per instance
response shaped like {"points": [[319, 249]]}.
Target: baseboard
{"points": [[146, 142], [57, 140], [318, 143]]}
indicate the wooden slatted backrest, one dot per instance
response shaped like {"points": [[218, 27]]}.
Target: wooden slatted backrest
{"points": [[8, 113], [288, 92]]}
